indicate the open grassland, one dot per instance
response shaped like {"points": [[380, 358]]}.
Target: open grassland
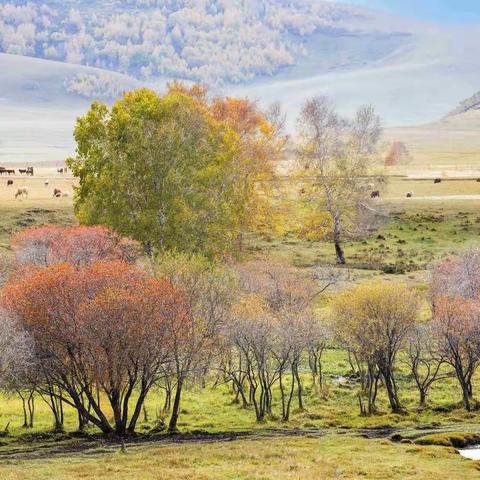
{"points": [[451, 144], [322, 441]]}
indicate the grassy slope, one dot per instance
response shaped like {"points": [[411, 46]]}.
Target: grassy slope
{"points": [[452, 143]]}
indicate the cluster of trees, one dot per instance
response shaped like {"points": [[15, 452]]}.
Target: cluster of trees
{"points": [[207, 41], [94, 331], [273, 327], [379, 327], [195, 173], [86, 322], [102, 86]]}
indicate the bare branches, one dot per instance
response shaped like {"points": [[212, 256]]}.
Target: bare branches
{"points": [[339, 153]]}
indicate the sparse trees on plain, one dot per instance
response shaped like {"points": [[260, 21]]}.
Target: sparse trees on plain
{"points": [[207, 293]]}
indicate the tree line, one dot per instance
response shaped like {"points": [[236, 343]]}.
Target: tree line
{"points": [[88, 322]]}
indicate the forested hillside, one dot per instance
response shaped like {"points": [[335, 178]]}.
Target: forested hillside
{"points": [[208, 40]]}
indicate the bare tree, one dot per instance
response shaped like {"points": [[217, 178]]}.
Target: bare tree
{"points": [[423, 359], [338, 154], [250, 332], [318, 335], [16, 358], [208, 290]]}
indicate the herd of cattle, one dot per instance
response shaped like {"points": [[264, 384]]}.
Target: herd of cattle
{"points": [[376, 193], [23, 191]]}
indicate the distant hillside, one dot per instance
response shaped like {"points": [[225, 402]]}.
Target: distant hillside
{"points": [[471, 103], [39, 102], [213, 41], [61, 54]]}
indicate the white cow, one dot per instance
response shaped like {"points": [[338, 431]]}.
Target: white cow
{"points": [[22, 192]]}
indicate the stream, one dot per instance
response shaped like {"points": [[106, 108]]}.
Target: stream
{"points": [[472, 453]]}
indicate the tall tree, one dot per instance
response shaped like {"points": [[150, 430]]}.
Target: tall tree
{"points": [[455, 297], [171, 171], [338, 154]]}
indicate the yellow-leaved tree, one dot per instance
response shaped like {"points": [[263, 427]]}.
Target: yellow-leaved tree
{"points": [[372, 322]]}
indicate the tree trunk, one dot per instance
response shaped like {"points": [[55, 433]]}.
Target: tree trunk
{"points": [[299, 387], [337, 242], [31, 409], [172, 426], [339, 252], [392, 394]]}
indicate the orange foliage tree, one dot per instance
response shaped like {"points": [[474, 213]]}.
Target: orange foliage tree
{"points": [[77, 245], [261, 141], [101, 330]]}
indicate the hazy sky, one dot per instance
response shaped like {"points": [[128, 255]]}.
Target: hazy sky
{"points": [[444, 11]]}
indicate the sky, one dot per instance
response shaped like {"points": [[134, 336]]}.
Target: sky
{"points": [[441, 11]]}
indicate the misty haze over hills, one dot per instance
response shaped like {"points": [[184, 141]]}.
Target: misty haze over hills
{"points": [[59, 55]]}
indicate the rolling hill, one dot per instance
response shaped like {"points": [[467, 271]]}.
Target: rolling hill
{"points": [[60, 56]]}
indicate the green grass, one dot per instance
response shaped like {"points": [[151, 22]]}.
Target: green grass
{"points": [[14, 217], [288, 458]]}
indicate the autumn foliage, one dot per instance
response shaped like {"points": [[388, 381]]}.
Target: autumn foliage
{"points": [[102, 328], [76, 245], [455, 297]]}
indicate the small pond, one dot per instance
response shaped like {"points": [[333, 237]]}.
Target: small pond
{"points": [[473, 452]]}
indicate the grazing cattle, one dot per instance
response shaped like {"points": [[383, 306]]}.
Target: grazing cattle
{"points": [[21, 171], [375, 194], [22, 192], [9, 182], [57, 192], [410, 195], [59, 170], [437, 180], [46, 182], [10, 171], [30, 171]]}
